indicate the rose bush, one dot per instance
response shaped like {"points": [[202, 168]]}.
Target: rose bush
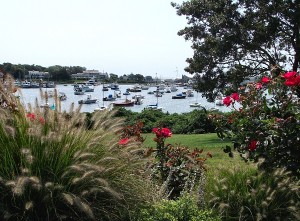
{"points": [[266, 124], [177, 167]]}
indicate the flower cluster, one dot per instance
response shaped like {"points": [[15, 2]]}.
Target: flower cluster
{"points": [[229, 99], [266, 125], [162, 132], [291, 79], [32, 117]]}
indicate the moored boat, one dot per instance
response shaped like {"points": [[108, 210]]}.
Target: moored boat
{"points": [[126, 103], [179, 96], [88, 100], [195, 104]]}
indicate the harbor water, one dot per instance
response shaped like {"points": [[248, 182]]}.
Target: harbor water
{"points": [[30, 95]]}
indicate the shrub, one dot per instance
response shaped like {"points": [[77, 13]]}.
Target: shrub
{"points": [[267, 125], [176, 168], [59, 166], [245, 194], [183, 209]]}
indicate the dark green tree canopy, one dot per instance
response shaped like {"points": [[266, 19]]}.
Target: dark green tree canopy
{"points": [[235, 39]]}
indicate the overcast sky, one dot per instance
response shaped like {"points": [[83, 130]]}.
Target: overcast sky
{"points": [[117, 36]]}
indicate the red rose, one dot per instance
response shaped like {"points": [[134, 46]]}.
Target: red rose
{"points": [[235, 96], [289, 74], [265, 80], [166, 132], [227, 101], [252, 145]]}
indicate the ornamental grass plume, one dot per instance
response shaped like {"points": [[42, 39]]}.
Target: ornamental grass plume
{"points": [[248, 194], [60, 166]]}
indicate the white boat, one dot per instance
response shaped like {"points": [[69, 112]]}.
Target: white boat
{"points": [[25, 84], [138, 99], [219, 102], [87, 88], [117, 93], [144, 87], [153, 107], [195, 104], [110, 97], [173, 88], [92, 81], [88, 100], [114, 86]]}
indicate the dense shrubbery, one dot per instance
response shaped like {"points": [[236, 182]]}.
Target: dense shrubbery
{"points": [[267, 125], [194, 122], [183, 209]]}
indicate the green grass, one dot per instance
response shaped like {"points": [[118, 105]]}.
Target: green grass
{"points": [[208, 142]]}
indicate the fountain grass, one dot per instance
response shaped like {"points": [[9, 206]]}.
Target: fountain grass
{"points": [[58, 166]]}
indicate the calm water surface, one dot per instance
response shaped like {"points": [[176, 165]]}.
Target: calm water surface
{"points": [[166, 102]]}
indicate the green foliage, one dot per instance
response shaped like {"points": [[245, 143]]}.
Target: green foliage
{"points": [[233, 40], [245, 194], [194, 122], [183, 209], [59, 166], [176, 168]]}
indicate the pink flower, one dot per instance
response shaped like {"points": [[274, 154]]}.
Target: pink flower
{"points": [[258, 86], [289, 74], [31, 116], [252, 145], [124, 141], [227, 101], [265, 80], [235, 96]]}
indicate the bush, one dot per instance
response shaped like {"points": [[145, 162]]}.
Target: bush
{"points": [[183, 209], [245, 194], [267, 125], [196, 121], [59, 166]]}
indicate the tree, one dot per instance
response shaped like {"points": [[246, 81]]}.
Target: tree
{"points": [[239, 38]]}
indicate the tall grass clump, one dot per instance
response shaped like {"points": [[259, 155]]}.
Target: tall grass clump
{"points": [[248, 194], [58, 166]]}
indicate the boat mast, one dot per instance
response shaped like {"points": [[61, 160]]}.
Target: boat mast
{"points": [[156, 92]]}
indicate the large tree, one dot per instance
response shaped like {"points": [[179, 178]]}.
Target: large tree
{"points": [[235, 39]]}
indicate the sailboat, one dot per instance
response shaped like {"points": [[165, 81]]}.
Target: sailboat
{"points": [[155, 106], [103, 107], [196, 104]]}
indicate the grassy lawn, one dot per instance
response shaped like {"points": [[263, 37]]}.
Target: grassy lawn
{"points": [[208, 142]]}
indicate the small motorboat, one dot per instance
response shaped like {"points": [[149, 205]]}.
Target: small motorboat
{"points": [[126, 103], [179, 96], [88, 100]]}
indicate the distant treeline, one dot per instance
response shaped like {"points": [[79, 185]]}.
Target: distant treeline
{"points": [[59, 73], [56, 72]]}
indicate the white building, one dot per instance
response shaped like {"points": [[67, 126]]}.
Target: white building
{"points": [[88, 74], [38, 75]]}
